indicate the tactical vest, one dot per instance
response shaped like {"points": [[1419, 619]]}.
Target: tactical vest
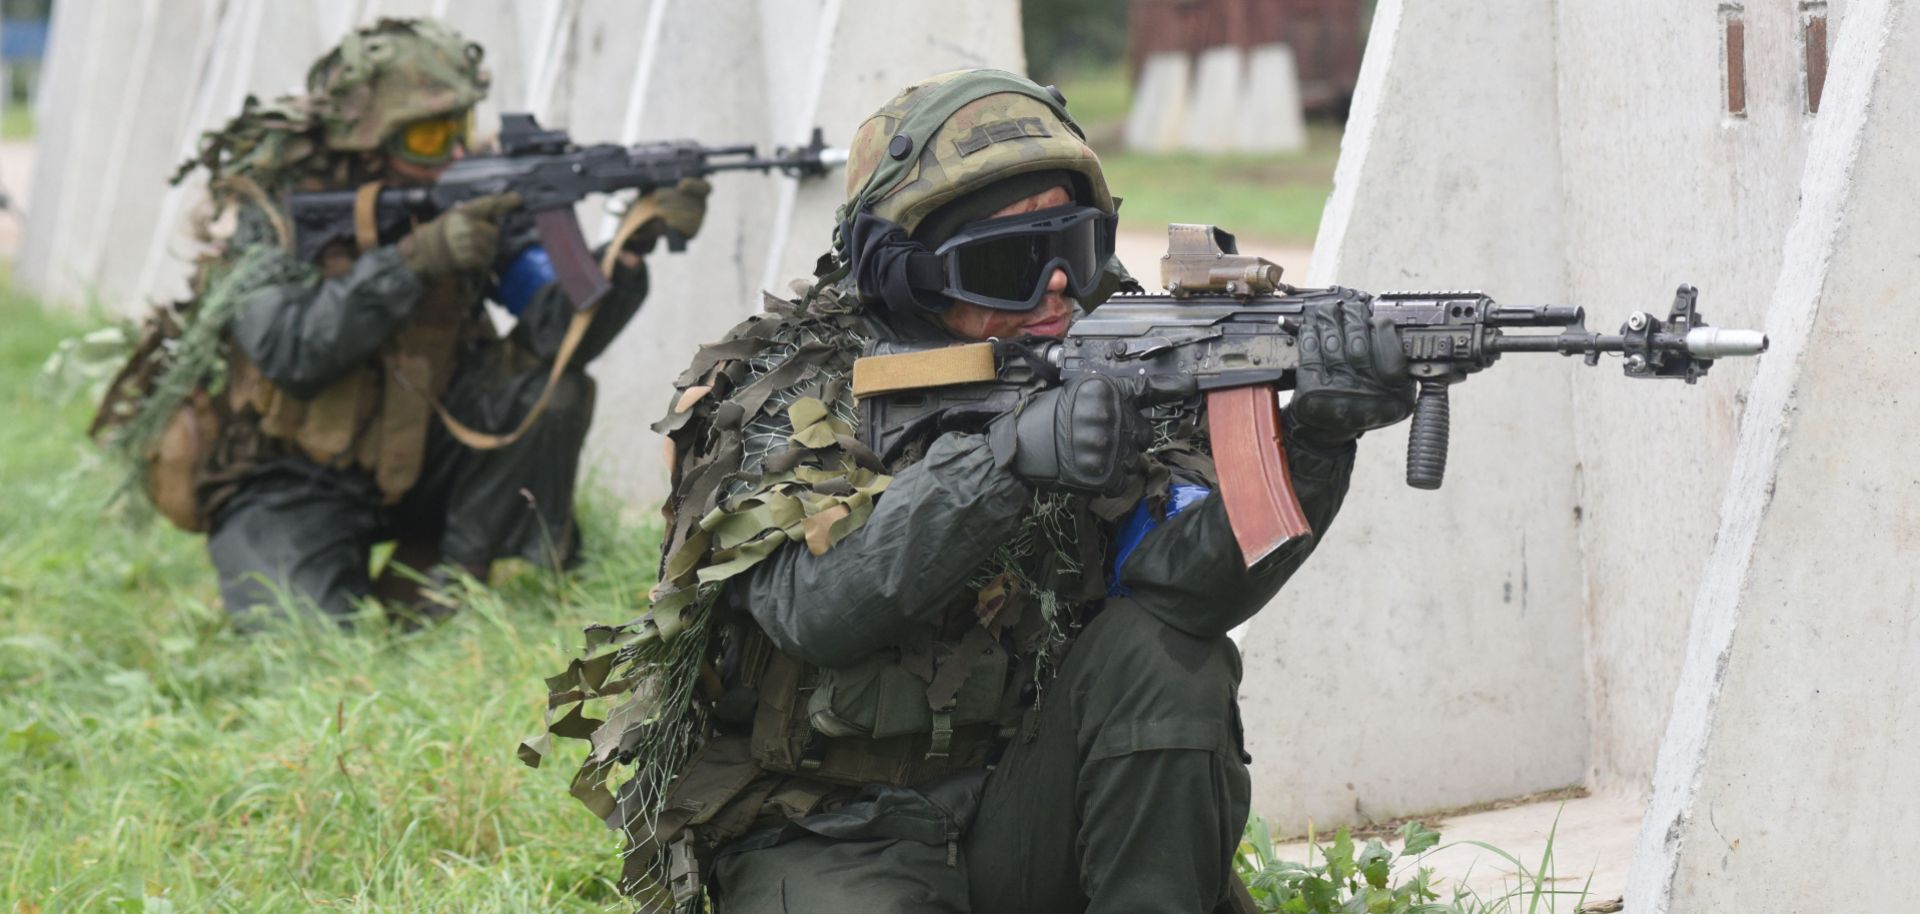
{"points": [[375, 417]]}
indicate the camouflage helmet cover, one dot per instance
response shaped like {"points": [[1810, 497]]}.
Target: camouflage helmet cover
{"points": [[959, 132], [392, 72]]}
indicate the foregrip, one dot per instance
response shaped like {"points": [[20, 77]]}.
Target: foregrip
{"points": [[1256, 485], [1427, 440]]}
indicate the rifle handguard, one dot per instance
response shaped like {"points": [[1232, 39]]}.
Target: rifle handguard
{"points": [[1427, 441]]}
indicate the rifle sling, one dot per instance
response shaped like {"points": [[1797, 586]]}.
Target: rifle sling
{"points": [[885, 374], [643, 211]]}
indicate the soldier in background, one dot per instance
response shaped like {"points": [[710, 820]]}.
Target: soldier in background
{"points": [[330, 433], [985, 670]]}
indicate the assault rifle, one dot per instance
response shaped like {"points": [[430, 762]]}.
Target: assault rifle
{"points": [[551, 173], [1229, 323]]}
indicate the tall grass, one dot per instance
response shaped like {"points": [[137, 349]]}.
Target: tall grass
{"points": [[151, 760]]}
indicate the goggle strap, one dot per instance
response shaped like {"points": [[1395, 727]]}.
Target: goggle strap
{"points": [[926, 271]]}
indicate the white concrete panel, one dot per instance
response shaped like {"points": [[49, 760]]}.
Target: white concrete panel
{"points": [[1217, 114], [696, 295], [1795, 703], [80, 130], [1662, 187], [1274, 120], [163, 78], [61, 87], [1429, 655], [1157, 121]]}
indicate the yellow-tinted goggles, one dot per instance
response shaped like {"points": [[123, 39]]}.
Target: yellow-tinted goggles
{"points": [[430, 141]]}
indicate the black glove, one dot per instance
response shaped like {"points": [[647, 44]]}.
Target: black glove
{"points": [[1083, 436], [1353, 374]]}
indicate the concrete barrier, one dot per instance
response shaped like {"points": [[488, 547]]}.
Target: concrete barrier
{"points": [[1275, 121], [1217, 114], [1157, 122], [1795, 706]]}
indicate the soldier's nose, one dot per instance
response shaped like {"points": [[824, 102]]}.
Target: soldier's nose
{"points": [[1057, 283]]}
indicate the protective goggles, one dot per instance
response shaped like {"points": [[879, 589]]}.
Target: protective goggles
{"points": [[431, 140], [1006, 262]]}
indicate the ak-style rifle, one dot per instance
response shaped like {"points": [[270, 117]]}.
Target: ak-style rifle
{"points": [[550, 173], [1229, 323]]}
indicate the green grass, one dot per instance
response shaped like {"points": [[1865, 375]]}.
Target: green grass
{"points": [[16, 122], [150, 760], [1275, 197]]}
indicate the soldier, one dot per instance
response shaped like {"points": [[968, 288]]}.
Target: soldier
{"points": [[329, 441], [954, 675]]}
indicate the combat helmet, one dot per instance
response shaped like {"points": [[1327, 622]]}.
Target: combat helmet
{"points": [[390, 73], [959, 132]]}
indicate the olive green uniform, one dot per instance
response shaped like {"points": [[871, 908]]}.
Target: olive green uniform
{"points": [[288, 521]]}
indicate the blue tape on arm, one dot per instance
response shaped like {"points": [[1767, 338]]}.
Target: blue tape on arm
{"points": [[529, 273], [1140, 523]]}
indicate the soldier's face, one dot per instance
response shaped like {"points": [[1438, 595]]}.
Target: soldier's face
{"points": [[1049, 318]]}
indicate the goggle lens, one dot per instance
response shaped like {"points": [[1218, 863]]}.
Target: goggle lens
{"points": [[1006, 263], [431, 140]]}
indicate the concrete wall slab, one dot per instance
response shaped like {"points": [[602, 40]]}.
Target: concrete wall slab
{"points": [[1795, 704]]}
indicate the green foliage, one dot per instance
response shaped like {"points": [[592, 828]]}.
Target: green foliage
{"points": [[1362, 881], [151, 760]]}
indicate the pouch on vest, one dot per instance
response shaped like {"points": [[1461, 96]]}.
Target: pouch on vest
{"points": [[176, 460]]}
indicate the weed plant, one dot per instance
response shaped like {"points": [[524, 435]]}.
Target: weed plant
{"points": [[1373, 879], [153, 761]]}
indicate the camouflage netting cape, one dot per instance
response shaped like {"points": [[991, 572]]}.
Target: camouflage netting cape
{"points": [[762, 453]]}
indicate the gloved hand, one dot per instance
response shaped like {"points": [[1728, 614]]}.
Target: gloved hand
{"points": [[682, 208], [1083, 436], [464, 238], [1352, 376]]}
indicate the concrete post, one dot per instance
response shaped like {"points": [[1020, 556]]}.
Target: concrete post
{"points": [[1217, 113], [1158, 119], [1275, 121], [1796, 705]]}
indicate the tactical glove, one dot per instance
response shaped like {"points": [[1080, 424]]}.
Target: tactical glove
{"points": [[683, 207], [462, 239], [1352, 376], [1083, 436]]}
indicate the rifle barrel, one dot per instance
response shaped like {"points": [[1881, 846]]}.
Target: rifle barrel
{"points": [[1700, 342]]}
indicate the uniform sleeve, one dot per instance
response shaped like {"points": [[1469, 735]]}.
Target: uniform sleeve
{"points": [[1188, 573], [303, 336], [931, 528]]}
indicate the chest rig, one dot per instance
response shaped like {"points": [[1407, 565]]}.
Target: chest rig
{"points": [[376, 416]]}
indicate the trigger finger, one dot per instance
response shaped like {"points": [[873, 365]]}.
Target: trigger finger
{"points": [[1389, 351]]}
